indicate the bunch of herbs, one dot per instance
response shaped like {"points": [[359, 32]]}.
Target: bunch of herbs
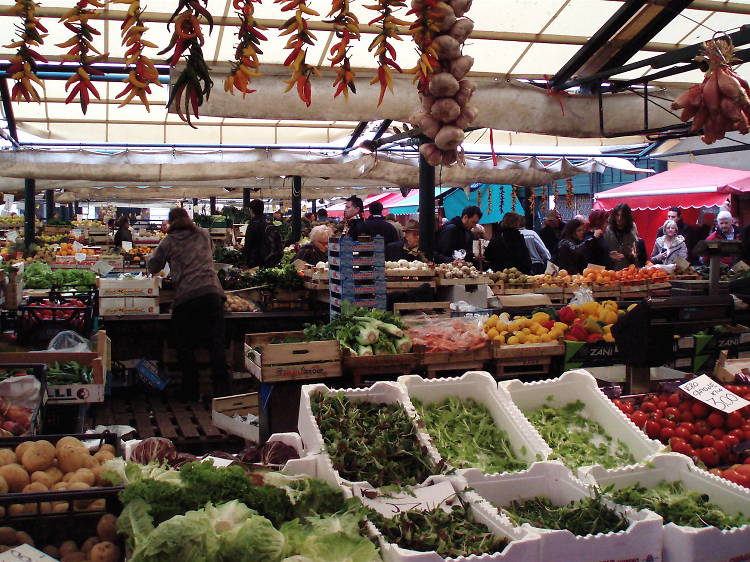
{"points": [[466, 435], [577, 440], [368, 441]]}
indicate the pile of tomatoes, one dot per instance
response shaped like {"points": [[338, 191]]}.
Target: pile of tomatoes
{"points": [[49, 310], [694, 429]]}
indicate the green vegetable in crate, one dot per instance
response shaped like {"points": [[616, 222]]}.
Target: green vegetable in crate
{"points": [[449, 533], [371, 441], [577, 440], [467, 437], [677, 505], [38, 275], [70, 372], [587, 516]]}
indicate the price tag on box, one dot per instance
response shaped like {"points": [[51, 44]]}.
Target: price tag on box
{"points": [[710, 392], [80, 257], [76, 233], [77, 246], [127, 246], [12, 236]]}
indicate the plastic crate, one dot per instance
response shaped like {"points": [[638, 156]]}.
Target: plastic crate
{"points": [[37, 324]]}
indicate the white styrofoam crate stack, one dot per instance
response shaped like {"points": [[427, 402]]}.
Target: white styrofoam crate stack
{"points": [[580, 385], [481, 387], [688, 544], [641, 541], [380, 392]]}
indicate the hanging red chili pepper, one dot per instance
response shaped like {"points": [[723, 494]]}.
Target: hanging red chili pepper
{"points": [[346, 28], [424, 31], [381, 46], [141, 71], [194, 83], [23, 65], [300, 38], [246, 64], [569, 193], [532, 200], [79, 45]]}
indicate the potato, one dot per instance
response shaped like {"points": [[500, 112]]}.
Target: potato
{"points": [[100, 481], [67, 547], [60, 486], [46, 446], [3, 486], [68, 477], [43, 478], [46, 507], [80, 504], [69, 441], [55, 473], [106, 528], [15, 476], [90, 462], [74, 557], [37, 457], [21, 449], [8, 536], [2, 511], [85, 475], [30, 508], [24, 538], [35, 487], [103, 456], [104, 552], [71, 458], [60, 507], [108, 447], [89, 543], [51, 550], [7, 457], [98, 505], [17, 509]]}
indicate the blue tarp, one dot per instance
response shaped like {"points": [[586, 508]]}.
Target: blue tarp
{"points": [[490, 198], [410, 205]]}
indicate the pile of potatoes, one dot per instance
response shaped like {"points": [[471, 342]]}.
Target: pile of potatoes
{"points": [[100, 548], [40, 466]]}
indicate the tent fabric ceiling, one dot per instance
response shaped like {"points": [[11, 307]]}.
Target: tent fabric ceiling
{"points": [[530, 38]]}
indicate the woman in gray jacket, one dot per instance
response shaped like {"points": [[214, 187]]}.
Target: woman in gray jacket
{"points": [[621, 237], [669, 247]]}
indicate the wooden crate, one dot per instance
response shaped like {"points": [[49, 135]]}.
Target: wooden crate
{"points": [[525, 359], [225, 408], [514, 368], [527, 350], [439, 309], [481, 280], [397, 279], [274, 362], [380, 365], [470, 360]]}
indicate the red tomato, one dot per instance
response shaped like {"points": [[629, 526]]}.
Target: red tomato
{"points": [[664, 422], [687, 416], [736, 477], [666, 433], [743, 468], [696, 441], [715, 419], [647, 406], [699, 410], [746, 461], [671, 413], [721, 448], [731, 441], [682, 432], [709, 456], [738, 433], [674, 399], [735, 420], [680, 446], [708, 440], [652, 429], [689, 426], [701, 428], [718, 433], [662, 404], [639, 418], [684, 406]]}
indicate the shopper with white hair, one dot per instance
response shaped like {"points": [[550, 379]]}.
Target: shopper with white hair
{"points": [[670, 246], [317, 249], [725, 230]]}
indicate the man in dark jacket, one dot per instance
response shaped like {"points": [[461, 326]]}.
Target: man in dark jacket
{"points": [[408, 248], [353, 207], [263, 246], [456, 235], [675, 214], [375, 225]]}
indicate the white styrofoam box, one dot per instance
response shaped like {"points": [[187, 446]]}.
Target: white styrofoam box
{"points": [[641, 541], [380, 392], [689, 544], [580, 385], [144, 287], [117, 306], [482, 387]]}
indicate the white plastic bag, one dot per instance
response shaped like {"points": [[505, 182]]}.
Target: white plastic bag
{"points": [[69, 342], [582, 295]]}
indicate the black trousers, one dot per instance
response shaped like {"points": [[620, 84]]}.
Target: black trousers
{"points": [[538, 268], [199, 323]]}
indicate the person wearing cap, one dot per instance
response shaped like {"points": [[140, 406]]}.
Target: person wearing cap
{"points": [[376, 225], [408, 248], [726, 230]]}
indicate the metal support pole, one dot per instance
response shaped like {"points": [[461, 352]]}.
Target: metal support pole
{"points": [[49, 203], [212, 203], [426, 207], [314, 205], [296, 208], [245, 197], [195, 201], [29, 190], [76, 209]]}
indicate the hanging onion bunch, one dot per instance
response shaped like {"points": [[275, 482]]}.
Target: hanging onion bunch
{"points": [[142, 72], [346, 27], [194, 83], [76, 20], [721, 103], [381, 45], [23, 65], [300, 38], [440, 33], [246, 64]]}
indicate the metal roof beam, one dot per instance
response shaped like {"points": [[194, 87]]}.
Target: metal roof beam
{"points": [[710, 6]]}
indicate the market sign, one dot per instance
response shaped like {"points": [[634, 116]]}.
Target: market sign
{"points": [[713, 394]]}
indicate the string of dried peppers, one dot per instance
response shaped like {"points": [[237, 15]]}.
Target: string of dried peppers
{"points": [[440, 32], [346, 28], [194, 83], [246, 63], [23, 65], [79, 45], [381, 45], [300, 38], [569, 193], [141, 71]]}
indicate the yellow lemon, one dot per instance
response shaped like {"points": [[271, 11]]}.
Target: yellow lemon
{"points": [[492, 333], [513, 340]]}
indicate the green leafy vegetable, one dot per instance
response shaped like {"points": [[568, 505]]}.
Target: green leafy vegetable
{"points": [[448, 533], [371, 441], [577, 440], [70, 372], [677, 505], [466, 435], [587, 516]]}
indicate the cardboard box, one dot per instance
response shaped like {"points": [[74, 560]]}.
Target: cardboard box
{"points": [[146, 287], [225, 408], [121, 306]]}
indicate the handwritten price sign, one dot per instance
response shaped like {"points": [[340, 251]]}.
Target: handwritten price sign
{"points": [[712, 393]]}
